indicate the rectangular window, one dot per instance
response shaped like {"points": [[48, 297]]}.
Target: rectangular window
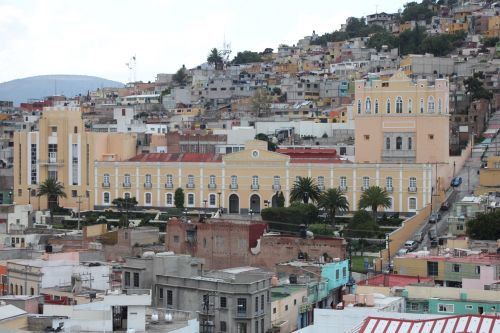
{"points": [[262, 325], [190, 199], [160, 293], [413, 182], [432, 268], [74, 193], [212, 180], [262, 302], [170, 297], [234, 182], [344, 272], [126, 182], [388, 183], [211, 199], [87, 162], [136, 280], [337, 274], [223, 302], [414, 306], [127, 279], [170, 181], [448, 308], [256, 303], [321, 183], [242, 305], [425, 308], [366, 182], [33, 164], [74, 164], [276, 180], [456, 268], [478, 270], [223, 326], [343, 182]]}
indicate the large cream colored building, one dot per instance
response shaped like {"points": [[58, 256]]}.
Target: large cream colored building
{"points": [[401, 143]]}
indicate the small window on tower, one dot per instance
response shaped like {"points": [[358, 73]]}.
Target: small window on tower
{"points": [[431, 136], [367, 137]]}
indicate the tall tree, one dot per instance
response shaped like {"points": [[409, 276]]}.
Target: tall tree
{"points": [[215, 58], [474, 87], [125, 204], [304, 189], [374, 197], [179, 198], [246, 57], [270, 144], [181, 76], [332, 201], [53, 190]]}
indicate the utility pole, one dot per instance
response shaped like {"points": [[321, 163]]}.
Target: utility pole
{"points": [[79, 201]]}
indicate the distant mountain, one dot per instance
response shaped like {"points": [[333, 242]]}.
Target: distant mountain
{"points": [[38, 87]]}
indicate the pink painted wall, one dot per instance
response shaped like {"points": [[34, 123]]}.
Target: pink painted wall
{"points": [[486, 277]]}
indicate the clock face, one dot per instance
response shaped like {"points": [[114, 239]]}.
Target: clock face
{"points": [[255, 153]]}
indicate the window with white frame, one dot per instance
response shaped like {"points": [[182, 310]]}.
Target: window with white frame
{"points": [[376, 106], [413, 182], [276, 180], [430, 104], [234, 182], [359, 106], [399, 105], [211, 181], [190, 200], [169, 199], [412, 203], [388, 183], [148, 179], [343, 182], [127, 180], [410, 146], [368, 105], [105, 179], [255, 181], [387, 143], [321, 182], [211, 200], [388, 106], [366, 182], [170, 181], [147, 199], [190, 181], [105, 198], [410, 106]]}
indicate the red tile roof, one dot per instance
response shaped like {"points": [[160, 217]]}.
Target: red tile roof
{"points": [[177, 157], [393, 280]]}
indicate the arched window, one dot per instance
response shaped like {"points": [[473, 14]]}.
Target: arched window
{"points": [[169, 200], [376, 106], [388, 184], [388, 106], [368, 105], [190, 201], [359, 106], [410, 106], [399, 105], [421, 105], [430, 105], [409, 144], [440, 107], [387, 143], [399, 143]]}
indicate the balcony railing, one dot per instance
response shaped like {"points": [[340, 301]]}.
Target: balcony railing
{"points": [[276, 187], [106, 184], [212, 186], [148, 185], [321, 188], [233, 186], [50, 161], [189, 185], [169, 185], [127, 185], [343, 188], [389, 189], [254, 186], [412, 189], [364, 188]]}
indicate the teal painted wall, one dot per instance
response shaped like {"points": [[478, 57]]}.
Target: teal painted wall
{"points": [[337, 274]]}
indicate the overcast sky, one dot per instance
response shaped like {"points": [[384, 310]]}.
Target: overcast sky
{"points": [[98, 37]]}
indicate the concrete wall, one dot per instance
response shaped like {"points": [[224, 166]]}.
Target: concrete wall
{"points": [[287, 310]]}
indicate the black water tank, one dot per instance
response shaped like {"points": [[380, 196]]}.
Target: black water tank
{"points": [[48, 248]]}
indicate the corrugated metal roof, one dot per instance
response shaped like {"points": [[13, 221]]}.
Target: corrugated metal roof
{"points": [[454, 324]]}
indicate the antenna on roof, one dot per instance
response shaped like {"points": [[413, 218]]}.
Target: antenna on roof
{"points": [[132, 69], [226, 50]]}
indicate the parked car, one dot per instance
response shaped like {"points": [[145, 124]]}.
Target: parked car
{"points": [[445, 206], [432, 234], [434, 218], [411, 245], [456, 181], [419, 237]]}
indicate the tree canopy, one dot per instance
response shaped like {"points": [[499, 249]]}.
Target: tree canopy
{"points": [[485, 226], [53, 190], [374, 197], [247, 57], [414, 11], [179, 198], [270, 144], [362, 225], [474, 87], [215, 58], [304, 189], [181, 76], [333, 200]]}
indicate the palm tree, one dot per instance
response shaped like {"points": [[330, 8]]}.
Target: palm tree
{"points": [[303, 189], [332, 200], [374, 197], [215, 58], [53, 190]]}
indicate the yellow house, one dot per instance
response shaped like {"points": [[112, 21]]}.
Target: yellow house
{"points": [[489, 178], [187, 111], [493, 26]]}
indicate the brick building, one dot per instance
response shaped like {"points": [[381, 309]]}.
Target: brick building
{"points": [[231, 242]]}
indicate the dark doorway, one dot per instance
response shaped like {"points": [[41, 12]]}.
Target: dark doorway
{"points": [[234, 204], [255, 203]]}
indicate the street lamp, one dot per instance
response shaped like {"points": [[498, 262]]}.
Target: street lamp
{"points": [[220, 203], [29, 195], [10, 196], [204, 208]]}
